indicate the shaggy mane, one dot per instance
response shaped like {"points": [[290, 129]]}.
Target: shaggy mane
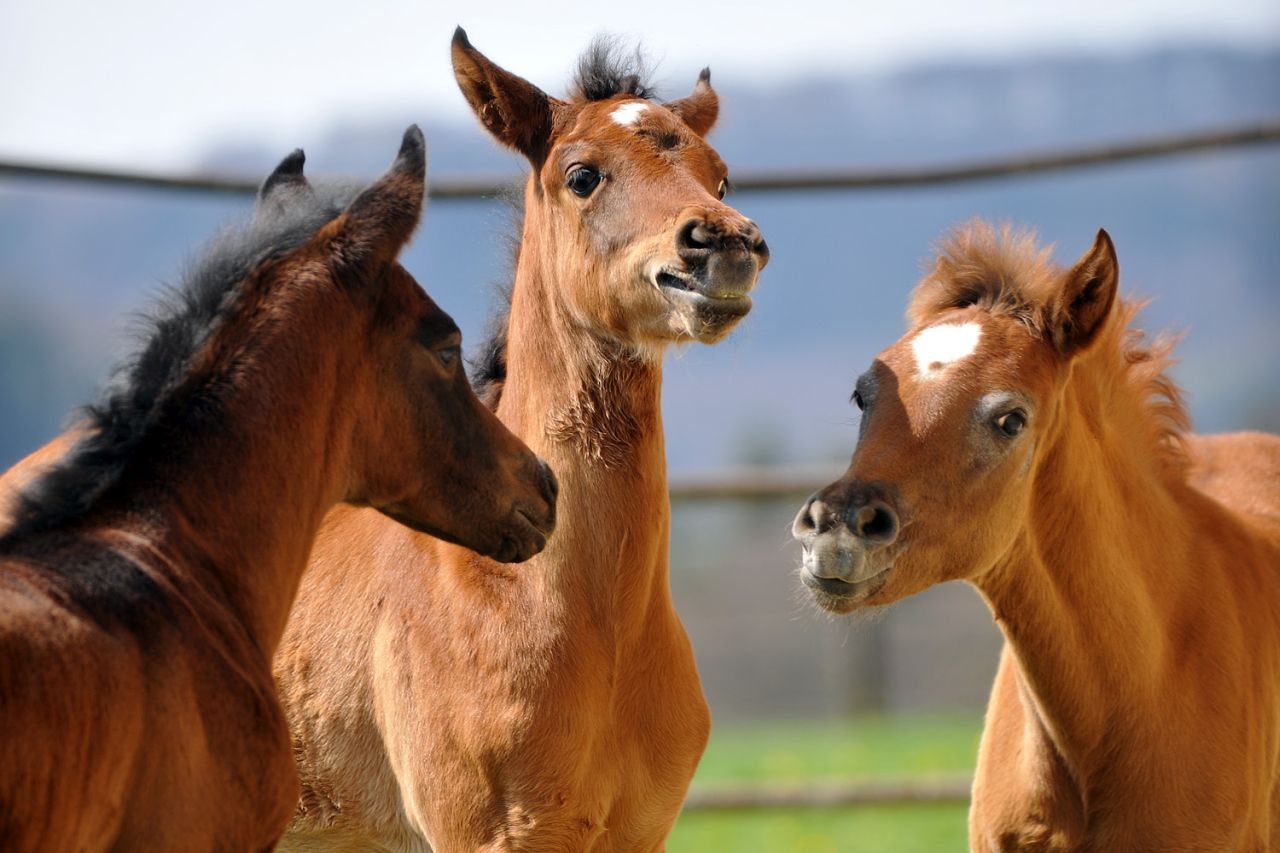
{"points": [[153, 386], [1006, 271]]}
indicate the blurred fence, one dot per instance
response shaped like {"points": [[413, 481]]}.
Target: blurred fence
{"points": [[1259, 133], [748, 484], [758, 484], [949, 791]]}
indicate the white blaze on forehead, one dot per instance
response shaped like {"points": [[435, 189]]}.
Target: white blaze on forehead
{"points": [[938, 346], [628, 113]]}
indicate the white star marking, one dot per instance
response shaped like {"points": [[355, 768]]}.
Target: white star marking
{"points": [[939, 346]]}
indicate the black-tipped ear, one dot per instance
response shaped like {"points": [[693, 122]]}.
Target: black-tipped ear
{"points": [[288, 172], [1084, 300], [701, 108], [285, 185], [516, 112], [377, 224]]}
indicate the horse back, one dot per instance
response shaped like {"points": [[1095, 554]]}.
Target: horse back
{"points": [[1241, 470]]}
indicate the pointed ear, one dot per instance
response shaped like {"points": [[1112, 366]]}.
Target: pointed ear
{"points": [[284, 186], [700, 109], [516, 112], [1083, 303], [377, 224]]}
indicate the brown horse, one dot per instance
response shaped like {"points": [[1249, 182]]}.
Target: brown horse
{"points": [[146, 577], [557, 707], [1024, 437]]}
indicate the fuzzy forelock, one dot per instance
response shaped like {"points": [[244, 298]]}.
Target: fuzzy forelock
{"points": [[607, 69], [1006, 271], [143, 386], [1003, 271]]}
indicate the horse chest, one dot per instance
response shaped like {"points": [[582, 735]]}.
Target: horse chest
{"points": [[606, 755]]}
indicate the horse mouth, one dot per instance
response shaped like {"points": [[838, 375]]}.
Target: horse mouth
{"points": [[525, 537], [711, 306], [542, 527], [840, 596], [528, 538]]}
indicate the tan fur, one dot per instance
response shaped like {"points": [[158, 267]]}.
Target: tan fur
{"points": [[1137, 704], [31, 467], [139, 710], [554, 706]]}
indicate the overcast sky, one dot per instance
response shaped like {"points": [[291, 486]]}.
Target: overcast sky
{"points": [[153, 83]]}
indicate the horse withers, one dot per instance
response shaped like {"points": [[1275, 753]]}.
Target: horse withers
{"points": [[145, 578], [1024, 436], [557, 707]]}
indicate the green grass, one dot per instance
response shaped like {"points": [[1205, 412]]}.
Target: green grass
{"points": [[859, 749]]}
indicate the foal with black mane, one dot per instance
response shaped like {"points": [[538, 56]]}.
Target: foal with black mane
{"points": [[1024, 436], [557, 706], [145, 579]]}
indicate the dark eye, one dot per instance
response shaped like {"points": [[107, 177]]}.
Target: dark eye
{"points": [[583, 180], [723, 189], [858, 401], [1011, 423], [449, 355]]}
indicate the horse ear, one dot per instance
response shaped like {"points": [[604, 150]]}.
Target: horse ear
{"points": [[284, 186], [1083, 302], [516, 112], [701, 108], [377, 224]]}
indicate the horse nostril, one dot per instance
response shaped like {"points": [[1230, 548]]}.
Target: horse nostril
{"points": [[812, 518], [760, 248], [695, 236], [876, 523]]}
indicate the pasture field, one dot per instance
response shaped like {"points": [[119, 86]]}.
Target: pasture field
{"points": [[858, 749]]}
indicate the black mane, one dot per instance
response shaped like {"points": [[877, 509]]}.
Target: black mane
{"points": [[144, 388], [606, 69]]}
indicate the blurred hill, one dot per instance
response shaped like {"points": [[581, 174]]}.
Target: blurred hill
{"points": [[1196, 232]]}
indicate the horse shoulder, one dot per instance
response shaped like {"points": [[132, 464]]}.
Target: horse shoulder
{"points": [[73, 703]]}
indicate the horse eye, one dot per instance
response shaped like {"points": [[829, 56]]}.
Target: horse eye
{"points": [[1011, 423], [723, 189], [449, 355], [583, 181], [858, 401]]}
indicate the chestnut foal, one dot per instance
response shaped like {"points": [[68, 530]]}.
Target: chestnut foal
{"points": [[557, 706], [1024, 437], [145, 578]]}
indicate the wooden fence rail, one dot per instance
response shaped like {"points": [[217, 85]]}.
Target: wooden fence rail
{"points": [[753, 483]]}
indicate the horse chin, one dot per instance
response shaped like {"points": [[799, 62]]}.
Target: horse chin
{"points": [[706, 319], [521, 538]]}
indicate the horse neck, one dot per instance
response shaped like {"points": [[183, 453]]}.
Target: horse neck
{"points": [[593, 411], [1095, 594], [232, 503]]}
